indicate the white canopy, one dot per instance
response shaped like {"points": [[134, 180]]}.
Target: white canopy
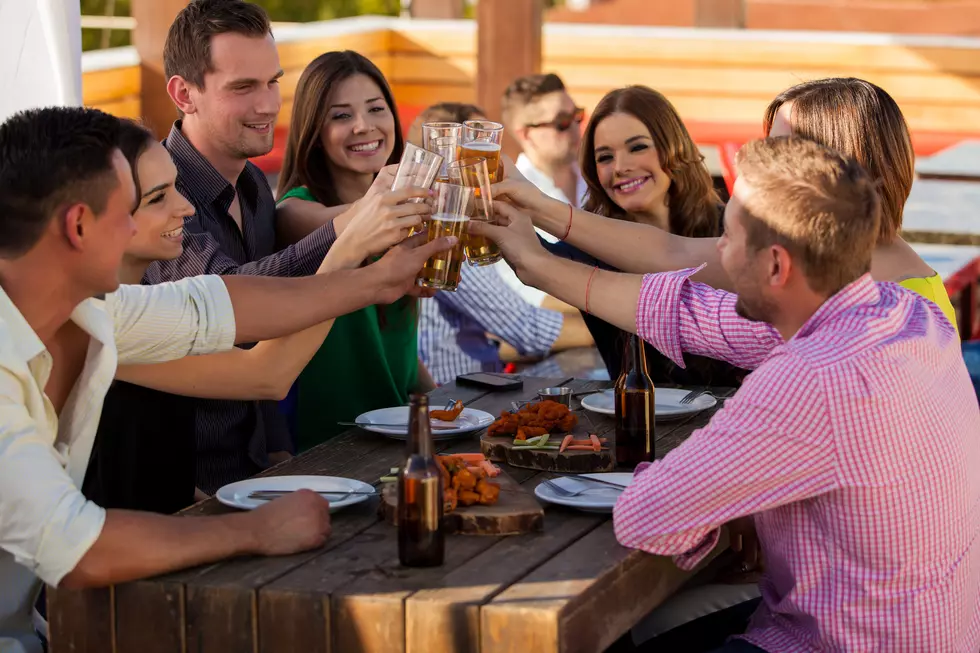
{"points": [[41, 47]]}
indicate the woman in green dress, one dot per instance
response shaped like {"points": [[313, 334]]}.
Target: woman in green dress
{"points": [[344, 130]]}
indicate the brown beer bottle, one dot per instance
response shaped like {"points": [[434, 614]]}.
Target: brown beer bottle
{"points": [[421, 541], [634, 407]]}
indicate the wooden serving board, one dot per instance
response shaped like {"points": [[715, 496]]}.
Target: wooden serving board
{"points": [[516, 511], [501, 449]]}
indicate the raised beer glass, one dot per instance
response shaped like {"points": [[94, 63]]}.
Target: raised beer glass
{"points": [[483, 138], [450, 217], [472, 172], [443, 138]]}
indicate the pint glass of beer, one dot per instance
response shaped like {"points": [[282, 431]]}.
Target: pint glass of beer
{"points": [[483, 138], [444, 139], [450, 217], [472, 172]]}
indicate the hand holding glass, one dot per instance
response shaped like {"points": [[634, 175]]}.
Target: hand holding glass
{"points": [[450, 217], [472, 173]]}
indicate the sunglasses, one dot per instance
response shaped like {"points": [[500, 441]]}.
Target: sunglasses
{"points": [[563, 121]]}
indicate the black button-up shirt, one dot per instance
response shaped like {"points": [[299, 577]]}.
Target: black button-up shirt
{"points": [[233, 437]]}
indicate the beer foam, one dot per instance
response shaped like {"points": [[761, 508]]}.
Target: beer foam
{"points": [[482, 146], [448, 217]]}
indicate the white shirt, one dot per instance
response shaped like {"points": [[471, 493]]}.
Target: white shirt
{"points": [[547, 186], [46, 524]]}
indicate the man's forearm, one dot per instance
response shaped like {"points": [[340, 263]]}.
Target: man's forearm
{"points": [[138, 545], [612, 296], [270, 307]]}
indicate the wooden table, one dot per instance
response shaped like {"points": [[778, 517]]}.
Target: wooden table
{"points": [[571, 587]]}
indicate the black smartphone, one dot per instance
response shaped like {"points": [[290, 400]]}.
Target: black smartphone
{"points": [[489, 381]]}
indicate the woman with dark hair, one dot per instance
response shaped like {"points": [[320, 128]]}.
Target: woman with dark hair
{"points": [[857, 118], [344, 130], [641, 165], [144, 452]]}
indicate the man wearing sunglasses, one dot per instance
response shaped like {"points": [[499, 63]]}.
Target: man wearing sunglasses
{"points": [[541, 115]]}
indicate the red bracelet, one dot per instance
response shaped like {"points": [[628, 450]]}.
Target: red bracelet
{"points": [[568, 229], [588, 289]]}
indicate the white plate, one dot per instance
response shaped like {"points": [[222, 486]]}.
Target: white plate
{"points": [[598, 498], [667, 401], [236, 494], [468, 421]]}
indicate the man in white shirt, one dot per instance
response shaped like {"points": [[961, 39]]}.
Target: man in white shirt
{"points": [[540, 114], [66, 197]]}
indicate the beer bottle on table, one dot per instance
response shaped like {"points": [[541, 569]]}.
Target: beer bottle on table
{"points": [[634, 407], [421, 541]]}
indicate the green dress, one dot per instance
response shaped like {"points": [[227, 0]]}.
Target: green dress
{"points": [[361, 366]]}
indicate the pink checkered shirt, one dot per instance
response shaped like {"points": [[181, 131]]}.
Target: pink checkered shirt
{"points": [[856, 447]]}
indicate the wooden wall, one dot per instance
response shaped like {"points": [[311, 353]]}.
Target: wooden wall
{"points": [[723, 78]]}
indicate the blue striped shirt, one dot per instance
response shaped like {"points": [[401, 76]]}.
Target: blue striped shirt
{"points": [[453, 326]]}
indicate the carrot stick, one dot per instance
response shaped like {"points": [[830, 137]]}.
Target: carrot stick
{"points": [[596, 445], [579, 447], [567, 440], [470, 458]]}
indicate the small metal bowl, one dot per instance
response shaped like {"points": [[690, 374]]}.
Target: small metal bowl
{"points": [[560, 395]]}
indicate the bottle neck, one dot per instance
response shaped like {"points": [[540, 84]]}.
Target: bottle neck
{"points": [[419, 428], [638, 358]]}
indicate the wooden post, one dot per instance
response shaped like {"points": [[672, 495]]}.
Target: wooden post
{"points": [[719, 13], [153, 19], [508, 46], [436, 9]]}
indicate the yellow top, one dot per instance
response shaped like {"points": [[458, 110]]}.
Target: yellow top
{"points": [[932, 288]]}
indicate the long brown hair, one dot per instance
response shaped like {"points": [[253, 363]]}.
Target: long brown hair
{"points": [[305, 162], [692, 200], [862, 121]]}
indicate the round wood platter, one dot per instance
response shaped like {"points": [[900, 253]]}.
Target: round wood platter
{"points": [[516, 511], [501, 449]]}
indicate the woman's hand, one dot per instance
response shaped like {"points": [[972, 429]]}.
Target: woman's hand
{"points": [[382, 219], [516, 238], [515, 189]]}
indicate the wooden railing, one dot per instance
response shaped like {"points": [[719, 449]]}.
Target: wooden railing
{"points": [[720, 80]]}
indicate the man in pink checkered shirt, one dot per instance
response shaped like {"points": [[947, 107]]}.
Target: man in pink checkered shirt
{"points": [[854, 446]]}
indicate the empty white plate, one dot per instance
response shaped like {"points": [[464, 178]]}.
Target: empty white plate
{"points": [[235, 495], [596, 498], [468, 421], [667, 400]]}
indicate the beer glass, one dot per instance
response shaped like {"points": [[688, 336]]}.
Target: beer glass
{"points": [[472, 172], [483, 138], [443, 138], [418, 168], [450, 217]]}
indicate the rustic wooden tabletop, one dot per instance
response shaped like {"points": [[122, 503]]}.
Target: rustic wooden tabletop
{"points": [[570, 587]]}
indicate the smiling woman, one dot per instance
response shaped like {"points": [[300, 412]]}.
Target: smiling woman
{"points": [[344, 130]]}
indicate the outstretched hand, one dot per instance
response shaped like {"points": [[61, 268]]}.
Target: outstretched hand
{"points": [[382, 219], [399, 268], [515, 236], [515, 189]]}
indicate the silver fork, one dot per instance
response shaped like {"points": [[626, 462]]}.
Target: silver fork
{"points": [[692, 395], [562, 492]]}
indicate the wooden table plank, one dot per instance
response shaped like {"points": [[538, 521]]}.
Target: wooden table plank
{"points": [[80, 620], [581, 600], [447, 617]]}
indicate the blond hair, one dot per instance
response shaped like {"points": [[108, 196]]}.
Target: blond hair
{"points": [[821, 207]]}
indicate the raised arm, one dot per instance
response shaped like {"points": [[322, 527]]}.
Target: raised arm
{"points": [[298, 218], [666, 310], [627, 246], [266, 371]]}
